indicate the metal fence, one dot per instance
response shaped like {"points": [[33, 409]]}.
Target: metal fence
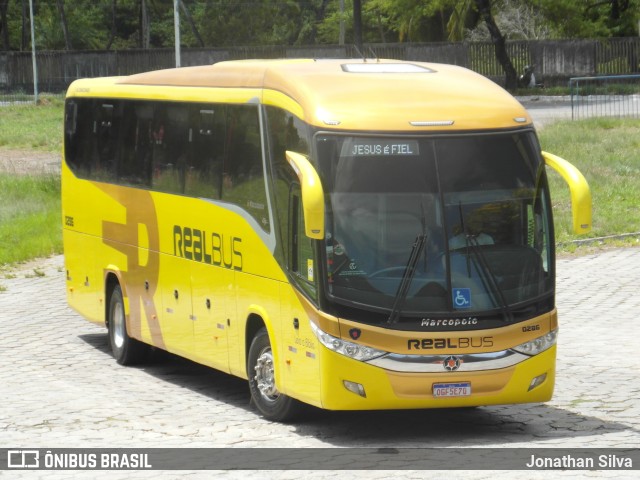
{"points": [[555, 61], [605, 96]]}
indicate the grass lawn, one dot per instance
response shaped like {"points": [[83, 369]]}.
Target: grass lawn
{"points": [[30, 218], [32, 127], [30, 224], [607, 152]]}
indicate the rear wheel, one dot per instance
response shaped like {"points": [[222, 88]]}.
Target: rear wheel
{"points": [[126, 350], [272, 404]]}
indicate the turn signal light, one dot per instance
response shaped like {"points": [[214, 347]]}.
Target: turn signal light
{"points": [[355, 388], [539, 380]]}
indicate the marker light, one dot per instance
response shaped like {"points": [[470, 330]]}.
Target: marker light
{"points": [[354, 388], [431, 123], [537, 381], [326, 117], [385, 68], [348, 349], [539, 345]]}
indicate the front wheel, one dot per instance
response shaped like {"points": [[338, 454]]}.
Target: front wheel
{"points": [[126, 350], [272, 404]]}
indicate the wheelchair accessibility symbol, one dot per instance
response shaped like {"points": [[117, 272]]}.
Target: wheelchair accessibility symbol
{"points": [[462, 298]]}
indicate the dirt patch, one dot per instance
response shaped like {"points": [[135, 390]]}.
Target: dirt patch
{"points": [[29, 162]]}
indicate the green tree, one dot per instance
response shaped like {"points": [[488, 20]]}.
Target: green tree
{"points": [[270, 22], [191, 22], [591, 18], [83, 26], [456, 15], [414, 20], [310, 16], [517, 19], [123, 24], [4, 24], [499, 42], [64, 25]]}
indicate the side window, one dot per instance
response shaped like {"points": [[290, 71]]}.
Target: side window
{"points": [[70, 119], [133, 148], [243, 181], [201, 150], [79, 136], [207, 137], [538, 228], [107, 119], [286, 132], [94, 144], [170, 143], [302, 263]]}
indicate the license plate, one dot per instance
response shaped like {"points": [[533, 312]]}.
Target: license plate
{"points": [[441, 390]]}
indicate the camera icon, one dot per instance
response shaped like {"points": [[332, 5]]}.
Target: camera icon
{"points": [[23, 459]]}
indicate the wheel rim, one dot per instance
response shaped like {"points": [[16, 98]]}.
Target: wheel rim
{"points": [[265, 378], [117, 321]]}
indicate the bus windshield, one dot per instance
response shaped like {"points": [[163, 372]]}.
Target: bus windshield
{"points": [[477, 205]]}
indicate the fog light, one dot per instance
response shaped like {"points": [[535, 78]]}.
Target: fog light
{"points": [[537, 381], [355, 388]]}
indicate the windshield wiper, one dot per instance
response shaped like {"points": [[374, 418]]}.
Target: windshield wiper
{"points": [[409, 272], [489, 278]]}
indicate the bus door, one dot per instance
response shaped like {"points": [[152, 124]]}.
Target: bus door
{"points": [[299, 347]]}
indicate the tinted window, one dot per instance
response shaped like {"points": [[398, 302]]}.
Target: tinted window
{"points": [[286, 132], [479, 203], [201, 150], [208, 137], [242, 171], [170, 137], [302, 253], [133, 148]]}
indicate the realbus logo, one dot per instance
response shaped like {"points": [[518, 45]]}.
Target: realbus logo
{"points": [[448, 343], [214, 248]]}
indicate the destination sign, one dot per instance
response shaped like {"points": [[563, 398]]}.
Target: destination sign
{"points": [[365, 147]]}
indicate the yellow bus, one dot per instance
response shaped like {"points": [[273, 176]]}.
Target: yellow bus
{"points": [[349, 234]]}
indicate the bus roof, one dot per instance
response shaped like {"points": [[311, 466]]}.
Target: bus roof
{"points": [[356, 94]]}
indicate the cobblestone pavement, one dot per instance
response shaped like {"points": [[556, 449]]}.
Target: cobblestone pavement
{"points": [[60, 387]]}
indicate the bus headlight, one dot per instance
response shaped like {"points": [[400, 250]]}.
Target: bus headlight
{"points": [[348, 349], [539, 345]]}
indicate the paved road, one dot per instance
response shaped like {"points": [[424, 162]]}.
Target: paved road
{"points": [[61, 388], [547, 109]]}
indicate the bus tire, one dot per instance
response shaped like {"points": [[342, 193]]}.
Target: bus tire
{"points": [[126, 350], [272, 404]]}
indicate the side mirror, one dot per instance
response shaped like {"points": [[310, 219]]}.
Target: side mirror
{"points": [[312, 195], [579, 188]]}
